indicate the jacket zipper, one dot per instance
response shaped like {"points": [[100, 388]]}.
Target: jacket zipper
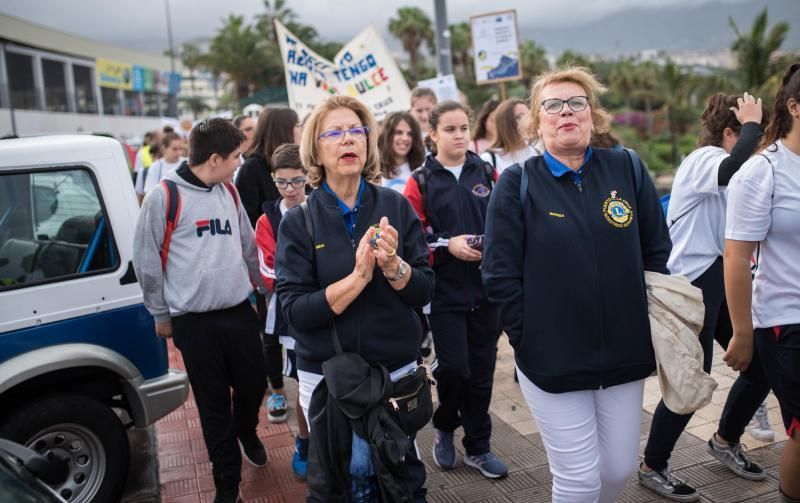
{"points": [[583, 196], [393, 400]]}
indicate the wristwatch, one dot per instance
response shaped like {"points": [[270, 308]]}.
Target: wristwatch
{"points": [[402, 270]]}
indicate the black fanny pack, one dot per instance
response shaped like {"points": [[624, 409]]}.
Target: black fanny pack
{"points": [[410, 400]]}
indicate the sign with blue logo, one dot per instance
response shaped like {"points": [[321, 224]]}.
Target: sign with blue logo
{"points": [[495, 47]]}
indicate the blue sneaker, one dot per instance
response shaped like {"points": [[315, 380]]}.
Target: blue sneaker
{"points": [[444, 452], [300, 458], [488, 464], [276, 408]]}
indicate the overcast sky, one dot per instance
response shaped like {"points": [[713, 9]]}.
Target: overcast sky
{"points": [[140, 24]]}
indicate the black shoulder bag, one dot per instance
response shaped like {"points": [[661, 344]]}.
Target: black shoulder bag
{"points": [[408, 399]]}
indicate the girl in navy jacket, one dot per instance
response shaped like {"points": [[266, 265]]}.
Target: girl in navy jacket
{"points": [[450, 193]]}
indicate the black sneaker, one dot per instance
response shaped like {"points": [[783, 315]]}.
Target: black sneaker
{"points": [[227, 495], [731, 454], [253, 450], [667, 485]]}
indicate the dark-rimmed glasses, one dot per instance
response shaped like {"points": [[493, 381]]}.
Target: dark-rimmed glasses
{"points": [[298, 182], [575, 103], [358, 132]]}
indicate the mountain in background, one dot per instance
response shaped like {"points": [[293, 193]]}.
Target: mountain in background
{"points": [[703, 27]]}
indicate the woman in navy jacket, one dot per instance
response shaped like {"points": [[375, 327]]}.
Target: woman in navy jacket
{"points": [[369, 290], [565, 264]]}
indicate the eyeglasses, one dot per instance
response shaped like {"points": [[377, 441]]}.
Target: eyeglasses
{"points": [[297, 183], [575, 103], [358, 132]]}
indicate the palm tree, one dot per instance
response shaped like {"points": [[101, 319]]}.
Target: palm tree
{"points": [[754, 49], [413, 27], [461, 45], [674, 86], [236, 50], [191, 58], [196, 104], [645, 79], [276, 10], [533, 61], [570, 58], [622, 81]]}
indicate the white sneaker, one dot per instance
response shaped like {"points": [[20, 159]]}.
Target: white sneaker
{"points": [[760, 428]]}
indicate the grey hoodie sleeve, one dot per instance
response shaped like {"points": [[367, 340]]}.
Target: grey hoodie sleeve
{"points": [[249, 249], [148, 239]]}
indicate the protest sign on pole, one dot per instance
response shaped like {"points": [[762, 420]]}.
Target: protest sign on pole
{"points": [[363, 69], [444, 87], [495, 47]]}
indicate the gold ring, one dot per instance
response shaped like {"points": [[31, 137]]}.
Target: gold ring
{"points": [[392, 254]]}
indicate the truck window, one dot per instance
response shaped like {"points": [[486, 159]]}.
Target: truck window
{"points": [[52, 227]]}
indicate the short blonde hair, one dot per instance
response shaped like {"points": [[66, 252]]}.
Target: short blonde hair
{"points": [[309, 144], [529, 123]]}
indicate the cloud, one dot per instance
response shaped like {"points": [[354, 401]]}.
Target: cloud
{"points": [[141, 25]]}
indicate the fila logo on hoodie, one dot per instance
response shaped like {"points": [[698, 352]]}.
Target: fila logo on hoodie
{"points": [[214, 226]]}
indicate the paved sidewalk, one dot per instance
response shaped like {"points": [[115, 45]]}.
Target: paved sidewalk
{"points": [[185, 472]]}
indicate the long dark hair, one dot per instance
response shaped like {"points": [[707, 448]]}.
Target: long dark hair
{"points": [[781, 122], [717, 116], [275, 127], [386, 137], [508, 138], [483, 115]]}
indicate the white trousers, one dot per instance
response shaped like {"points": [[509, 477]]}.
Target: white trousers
{"points": [[591, 438]]}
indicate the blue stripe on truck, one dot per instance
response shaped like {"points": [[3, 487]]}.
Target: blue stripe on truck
{"points": [[127, 330]]}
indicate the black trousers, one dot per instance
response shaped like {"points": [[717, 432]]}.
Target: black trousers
{"points": [[466, 352], [747, 393], [273, 352], [222, 352]]}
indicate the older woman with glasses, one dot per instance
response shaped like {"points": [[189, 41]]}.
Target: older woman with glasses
{"points": [[362, 273], [567, 243]]}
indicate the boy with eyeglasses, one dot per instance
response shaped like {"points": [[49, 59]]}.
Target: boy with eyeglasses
{"points": [[290, 177]]}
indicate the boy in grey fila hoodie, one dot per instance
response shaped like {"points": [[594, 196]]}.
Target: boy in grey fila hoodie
{"points": [[197, 293]]}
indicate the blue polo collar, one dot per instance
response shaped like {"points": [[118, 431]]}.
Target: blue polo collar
{"points": [[559, 169], [348, 214]]}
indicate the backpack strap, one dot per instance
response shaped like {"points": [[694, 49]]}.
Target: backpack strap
{"points": [[494, 158], [421, 176], [523, 185], [758, 246], [637, 168], [488, 171], [307, 219], [234, 193], [173, 213]]}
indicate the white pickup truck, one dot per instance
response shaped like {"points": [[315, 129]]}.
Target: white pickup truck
{"points": [[79, 358]]}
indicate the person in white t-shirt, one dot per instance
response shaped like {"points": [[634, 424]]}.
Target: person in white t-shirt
{"points": [[763, 217], [171, 158], [401, 149], [485, 132], [509, 147], [423, 99], [732, 128]]}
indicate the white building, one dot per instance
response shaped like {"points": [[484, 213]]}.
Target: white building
{"points": [[55, 82]]}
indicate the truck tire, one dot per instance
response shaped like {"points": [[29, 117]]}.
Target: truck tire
{"points": [[85, 432]]}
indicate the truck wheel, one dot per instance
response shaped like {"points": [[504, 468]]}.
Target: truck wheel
{"points": [[86, 433]]}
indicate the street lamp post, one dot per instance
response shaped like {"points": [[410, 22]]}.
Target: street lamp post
{"points": [[444, 56], [172, 104]]}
